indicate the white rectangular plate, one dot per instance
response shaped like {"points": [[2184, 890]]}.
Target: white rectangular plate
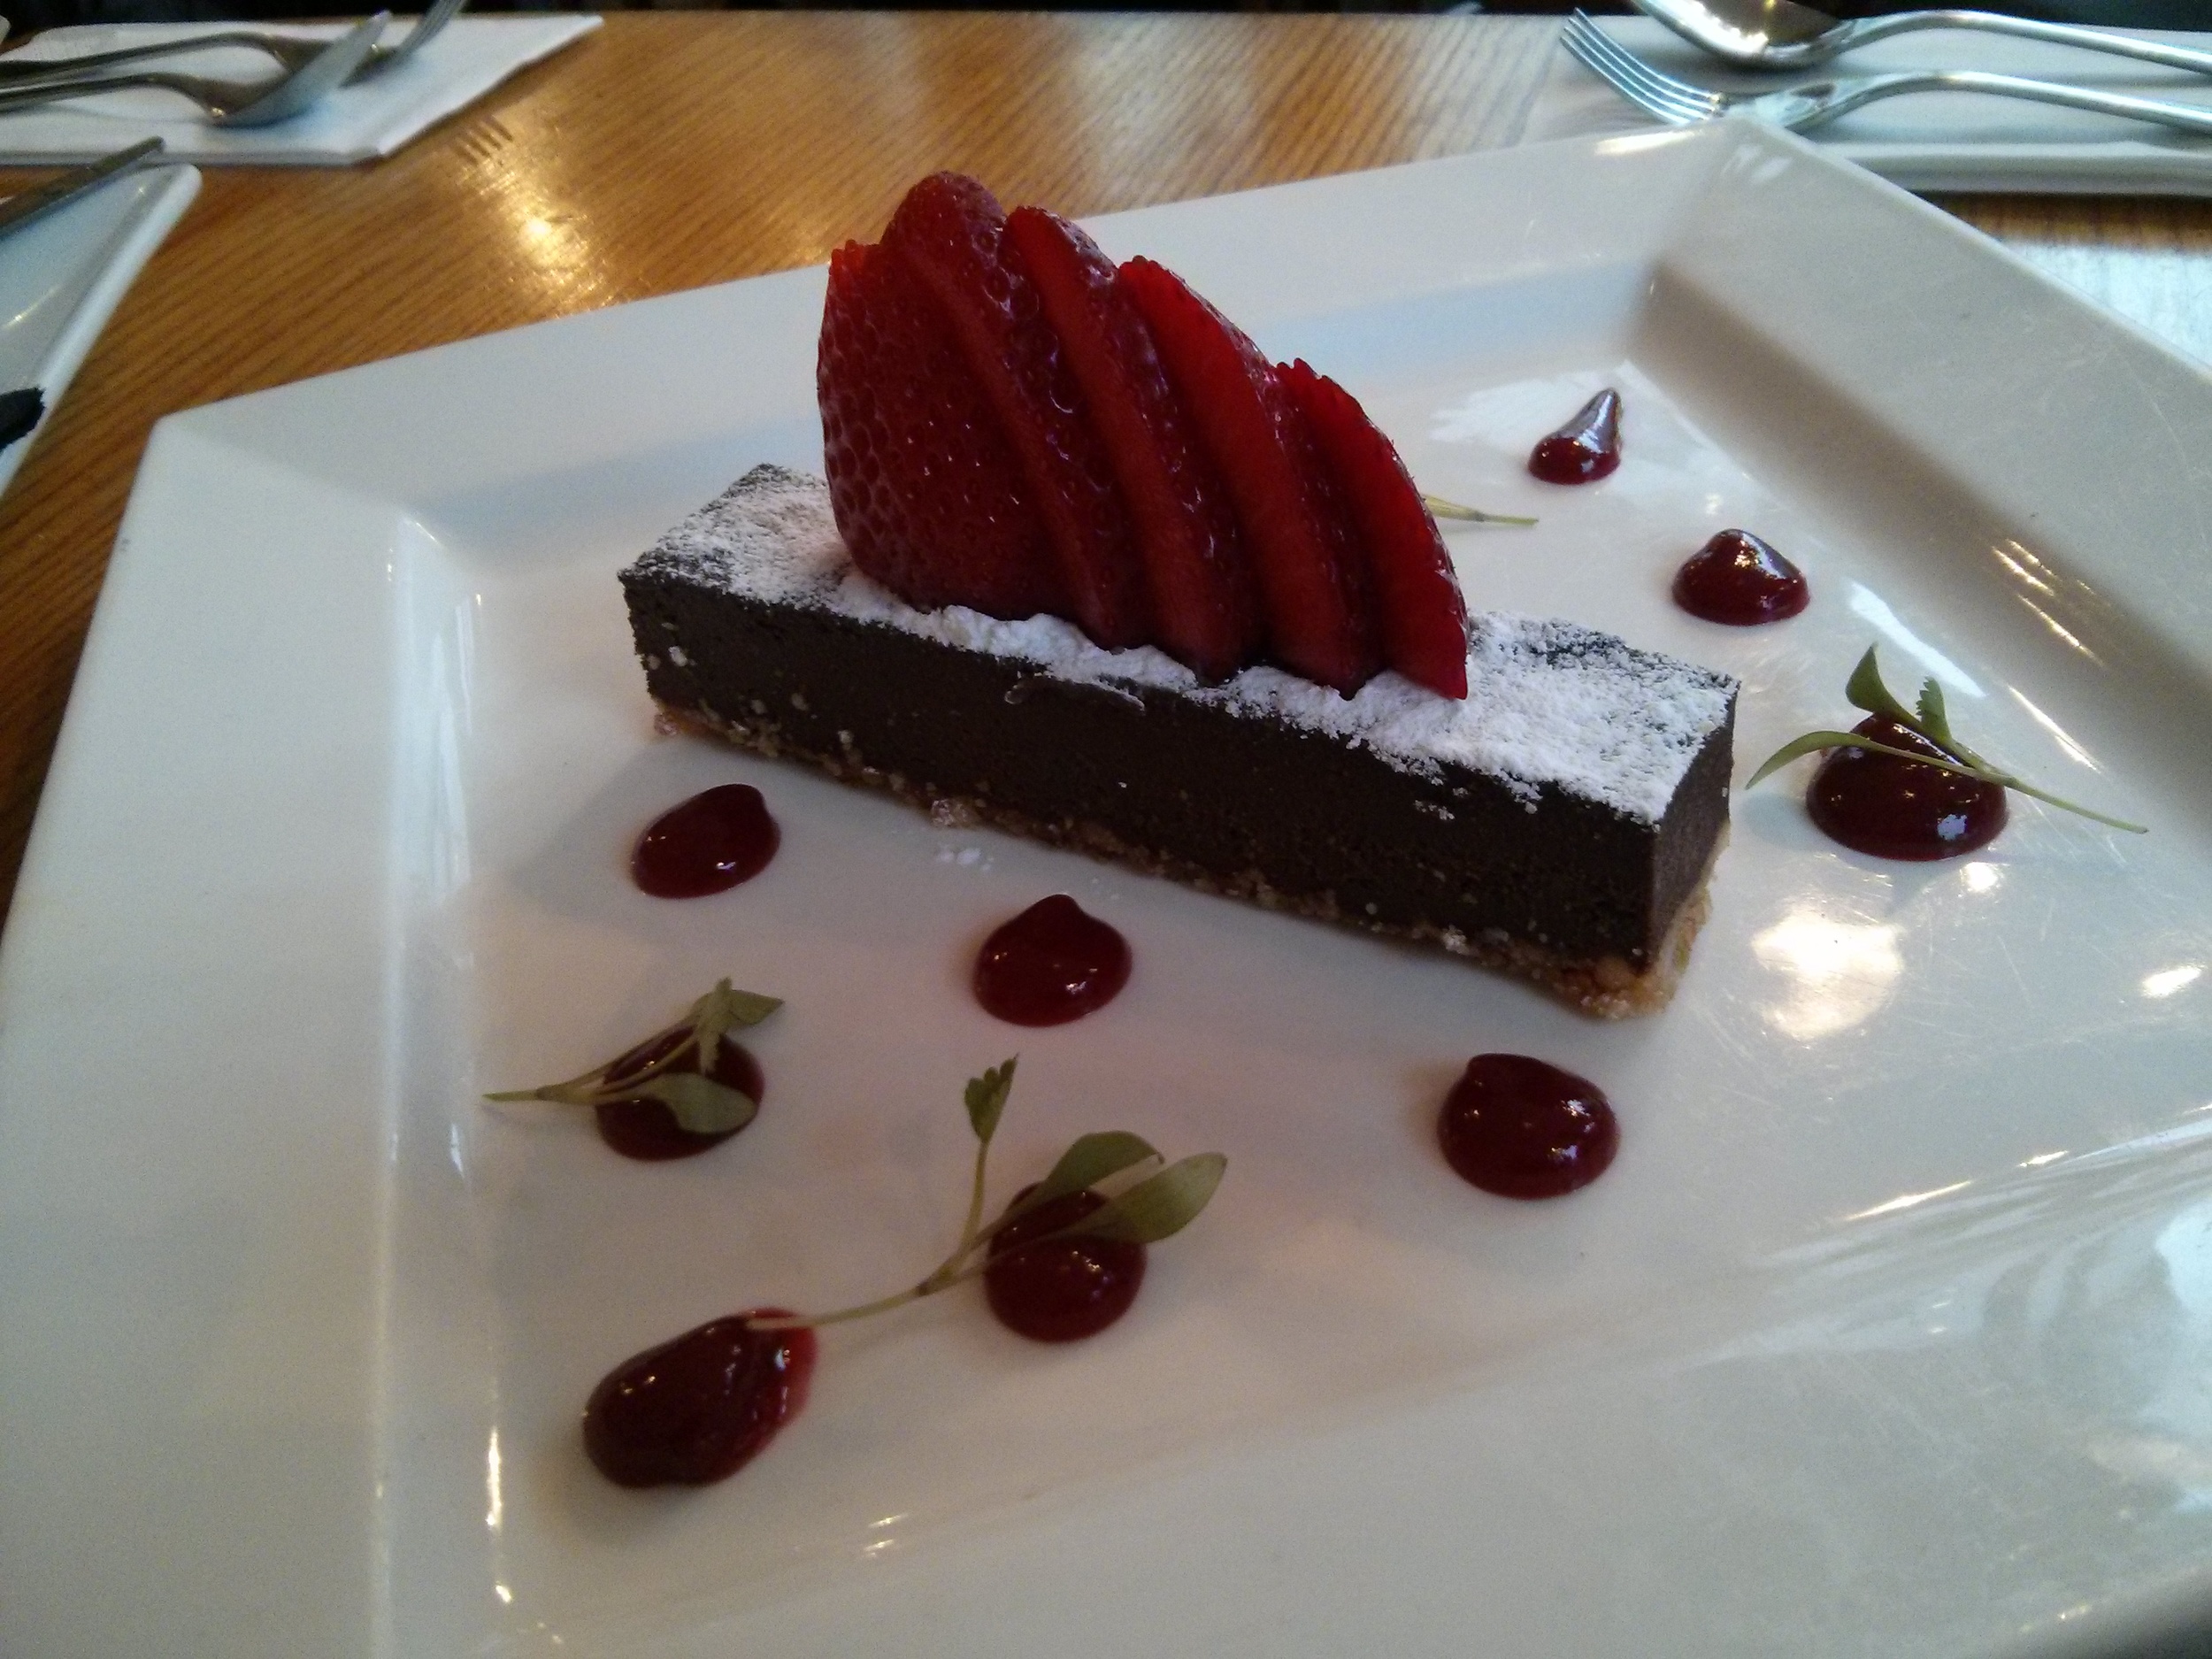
{"points": [[62, 276], [1890, 1330], [1943, 141]]}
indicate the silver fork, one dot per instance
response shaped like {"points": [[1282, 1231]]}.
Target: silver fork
{"points": [[290, 51], [227, 103], [1680, 103]]}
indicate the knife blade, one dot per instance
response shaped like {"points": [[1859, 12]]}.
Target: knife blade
{"points": [[26, 206]]}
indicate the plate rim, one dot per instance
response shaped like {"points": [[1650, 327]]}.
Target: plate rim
{"points": [[223, 429]]}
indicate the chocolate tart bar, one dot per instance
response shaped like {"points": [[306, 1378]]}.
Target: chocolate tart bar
{"points": [[1560, 822]]}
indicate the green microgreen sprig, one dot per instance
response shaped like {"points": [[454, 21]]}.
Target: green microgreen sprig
{"points": [[1444, 508], [1865, 690], [1148, 1199], [698, 1103]]}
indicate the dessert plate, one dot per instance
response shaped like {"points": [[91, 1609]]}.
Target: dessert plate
{"points": [[1889, 1331], [62, 277]]}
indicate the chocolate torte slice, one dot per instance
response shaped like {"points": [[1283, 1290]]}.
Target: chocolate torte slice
{"points": [[1558, 823]]}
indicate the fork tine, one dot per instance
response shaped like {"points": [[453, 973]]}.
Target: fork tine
{"points": [[1695, 101], [1600, 64], [1662, 100], [1623, 69], [1580, 49], [1673, 101], [1589, 45]]}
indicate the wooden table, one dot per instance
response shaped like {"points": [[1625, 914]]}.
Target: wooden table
{"points": [[672, 150]]}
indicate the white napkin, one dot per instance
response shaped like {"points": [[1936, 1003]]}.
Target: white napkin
{"points": [[356, 123], [1938, 140]]}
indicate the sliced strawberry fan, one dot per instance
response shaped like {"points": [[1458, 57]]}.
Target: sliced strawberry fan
{"points": [[1311, 584], [951, 229], [1012, 424], [1205, 612], [1416, 594], [927, 493]]}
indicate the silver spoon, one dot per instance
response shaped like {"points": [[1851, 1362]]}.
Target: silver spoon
{"points": [[228, 102], [1782, 35], [290, 51]]}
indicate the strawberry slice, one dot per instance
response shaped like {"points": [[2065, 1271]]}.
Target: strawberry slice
{"points": [[1311, 590], [951, 230], [1205, 611], [927, 493], [1416, 595]]}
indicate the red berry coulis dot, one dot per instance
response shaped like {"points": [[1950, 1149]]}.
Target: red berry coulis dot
{"points": [[1052, 963], [1899, 808], [1063, 1289], [1739, 580], [1586, 448], [1523, 1129], [698, 1408], [708, 844], [640, 1127]]}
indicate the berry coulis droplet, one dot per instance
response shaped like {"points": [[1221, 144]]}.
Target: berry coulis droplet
{"points": [[1586, 448], [1898, 808], [698, 1408], [1523, 1129], [1063, 1289], [1054, 963], [708, 844], [644, 1128], [1739, 580]]}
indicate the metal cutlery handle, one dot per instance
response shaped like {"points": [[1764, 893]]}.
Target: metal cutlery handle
{"points": [[1824, 101], [17, 70], [290, 52], [227, 103], [1865, 29], [1813, 104], [30, 97], [29, 206]]}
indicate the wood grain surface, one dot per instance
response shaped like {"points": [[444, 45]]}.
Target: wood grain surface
{"points": [[672, 149]]}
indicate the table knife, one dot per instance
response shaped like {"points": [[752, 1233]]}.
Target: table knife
{"points": [[26, 206]]}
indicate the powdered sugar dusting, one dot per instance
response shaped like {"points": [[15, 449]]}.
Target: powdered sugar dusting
{"points": [[769, 534], [1550, 704]]}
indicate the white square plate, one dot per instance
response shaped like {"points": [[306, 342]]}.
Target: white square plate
{"points": [[63, 275], [1890, 1330]]}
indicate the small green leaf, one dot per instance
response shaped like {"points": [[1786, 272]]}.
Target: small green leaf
{"points": [[1156, 1209], [1933, 721], [750, 1006], [708, 1020], [1865, 690], [701, 1105], [2021, 786], [1811, 743], [723, 1010], [1978, 770], [1812, 740], [580, 1092], [1090, 1160], [1443, 508], [987, 1098]]}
